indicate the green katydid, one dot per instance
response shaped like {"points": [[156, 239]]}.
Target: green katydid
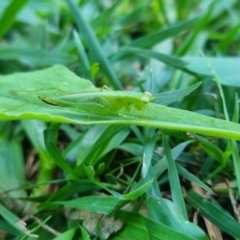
{"points": [[103, 101]]}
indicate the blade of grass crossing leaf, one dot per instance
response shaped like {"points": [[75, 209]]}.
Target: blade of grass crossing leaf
{"points": [[148, 149], [174, 180], [161, 165], [10, 14], [216, 79], [94, 44], [149, 140], [186, 174], [82, 56], [235, 154], [215, 214], [236, 162], [236, 110]]}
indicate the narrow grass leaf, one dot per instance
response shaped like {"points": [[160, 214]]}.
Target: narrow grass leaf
{"points": [[81, 187], [236, 109], [215, 214], [69, 234], [9, 15], [59, 160], [161, 165], [98, 204], [137, 192], [82, 56], [176, 191], [167, 59], [235, 154], [236, 162], [85, 235], [94, 44], [9, 228], [153, 190], [34, 130], [150, 140], [189, 41], [210, 148], [186, 174], [13, 219], [154, 38], [12, 171], [169, 97]]}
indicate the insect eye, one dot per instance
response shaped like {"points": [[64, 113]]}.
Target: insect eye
{"points": [[148, 94]]}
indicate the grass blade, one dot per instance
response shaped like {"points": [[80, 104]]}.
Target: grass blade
{"points": [[10, 13], [174, 180], [215, 214], [82, 56], [94, 44]]}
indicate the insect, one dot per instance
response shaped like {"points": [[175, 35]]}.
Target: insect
{"points": [[102, 102]]}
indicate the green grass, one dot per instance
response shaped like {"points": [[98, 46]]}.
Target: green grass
{"points": [[86, 153]]}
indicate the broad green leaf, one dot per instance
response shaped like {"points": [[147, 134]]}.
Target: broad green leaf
{"points": [[226, 68], [26, 96]]}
